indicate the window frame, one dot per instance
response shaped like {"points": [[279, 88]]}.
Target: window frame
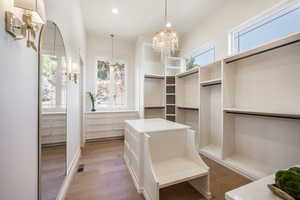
{"points": [[255, 20], [201, 50], [110, 106]]}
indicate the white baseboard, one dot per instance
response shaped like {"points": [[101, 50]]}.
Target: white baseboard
{"points": [[70, 174]]}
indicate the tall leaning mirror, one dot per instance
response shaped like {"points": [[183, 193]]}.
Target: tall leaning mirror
{"points": [[52, 112]]}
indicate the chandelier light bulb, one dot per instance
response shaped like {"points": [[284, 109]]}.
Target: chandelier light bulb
{"points": [[168, 25]]}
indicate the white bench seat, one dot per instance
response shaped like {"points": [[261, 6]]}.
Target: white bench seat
{"points": [[177, 170], [171, 158]]}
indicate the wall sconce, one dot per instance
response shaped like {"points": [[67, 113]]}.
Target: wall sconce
{"points": [[74, 72], [33, 14]]}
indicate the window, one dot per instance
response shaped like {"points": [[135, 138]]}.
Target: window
{"points": [[274, 24], [202, 56], [54, 81], [111, 84]]}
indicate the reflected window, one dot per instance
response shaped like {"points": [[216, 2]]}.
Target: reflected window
{"points": [[111, 84], [54, 80]]}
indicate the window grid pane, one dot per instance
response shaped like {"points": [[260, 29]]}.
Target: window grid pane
{"points": [[205, 57], [111, 87]]}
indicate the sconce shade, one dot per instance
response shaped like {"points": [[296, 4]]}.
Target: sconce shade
{"points": [[37, 7]]}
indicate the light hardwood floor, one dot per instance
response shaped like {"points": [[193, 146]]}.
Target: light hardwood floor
{"points": [[106, 177], [53, 166]]}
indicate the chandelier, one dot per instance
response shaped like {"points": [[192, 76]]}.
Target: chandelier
{"points": [[166, 40]]}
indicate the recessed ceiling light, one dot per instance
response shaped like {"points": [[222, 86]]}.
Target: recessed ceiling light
{"points": [[115, 11]]}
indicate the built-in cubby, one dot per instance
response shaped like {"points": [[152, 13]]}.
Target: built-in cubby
{"points": [[154, 105], [173, 65], [265, 83], [211, 114], [187, 99], [171, 98], [258, 146], [187, 89]]}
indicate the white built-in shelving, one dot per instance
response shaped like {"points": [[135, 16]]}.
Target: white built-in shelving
{"points": [[173, 65], [171, 98], [152, 83], [261, 108], [211, 109], [187, 99], [245, 109]]}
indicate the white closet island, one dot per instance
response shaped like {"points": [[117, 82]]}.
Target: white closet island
{"points": [[161, 153]]}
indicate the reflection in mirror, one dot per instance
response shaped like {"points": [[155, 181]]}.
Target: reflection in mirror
{"points": [[53, 112]]}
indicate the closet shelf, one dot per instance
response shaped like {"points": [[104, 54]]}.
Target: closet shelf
{"points": [[190, 72], [170, 94], [290, 39], [264, 114], [187, 108], [154, 107], [211, 82], [154, 76], [170, 114], [171, 84]]}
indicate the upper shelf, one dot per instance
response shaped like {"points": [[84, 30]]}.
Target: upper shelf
{"points": [[211, 82], [154, 107], [260, 113], [154, 76], [290, 39], [190, 72], [187, 108]]}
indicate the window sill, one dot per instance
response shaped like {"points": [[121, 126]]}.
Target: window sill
{"points": [[111, 111]]}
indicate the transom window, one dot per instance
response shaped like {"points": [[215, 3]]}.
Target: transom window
{"points": [[111, 84], [274, 24], [203, 55]]}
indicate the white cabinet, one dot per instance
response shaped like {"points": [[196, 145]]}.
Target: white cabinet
{"points": [[100, 125], [160, 153]]}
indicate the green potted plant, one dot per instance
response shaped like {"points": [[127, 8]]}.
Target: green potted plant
{"points": [[287, 184], [190, 63], [93, 100]]}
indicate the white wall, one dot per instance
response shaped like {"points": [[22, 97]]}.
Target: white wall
{"points": [[19, 101], [99, 47], [216, 26], [18, 116], [67, 15]]}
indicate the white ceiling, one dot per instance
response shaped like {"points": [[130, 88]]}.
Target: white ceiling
{"points": [[137, 17]]}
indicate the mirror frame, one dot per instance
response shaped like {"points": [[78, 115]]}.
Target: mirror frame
{"points": [[39, 176]]}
